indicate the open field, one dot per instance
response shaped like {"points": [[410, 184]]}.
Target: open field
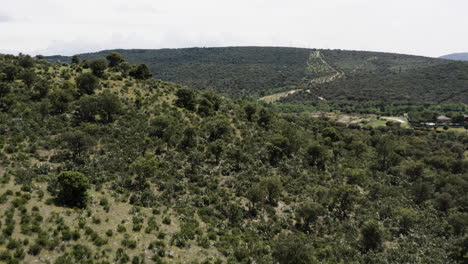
{"points": [[362, 119]]}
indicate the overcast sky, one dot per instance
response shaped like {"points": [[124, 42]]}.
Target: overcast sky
{"points": [[421, 27]]}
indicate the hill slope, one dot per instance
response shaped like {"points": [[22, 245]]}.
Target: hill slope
{"points": [[456, 56], [261, 71], [103, 168]]}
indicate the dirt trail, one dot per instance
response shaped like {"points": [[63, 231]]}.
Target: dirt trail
{"points": [[316, 64]]}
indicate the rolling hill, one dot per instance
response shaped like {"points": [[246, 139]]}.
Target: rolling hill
{"points": [[456, 56], [337, 75], [99, 166]]}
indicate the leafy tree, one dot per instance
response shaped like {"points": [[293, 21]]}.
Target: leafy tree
{"points": [[98, 66], [460, 250], [218, 128], [217, 148], [141, 72], [250, 111], [444, 201], [371, 236], [459, 222], [331, 133], [264, 118], [386, 153], [72, 189], [189, 139], [308, 213], [205, 107], [273, 189], [109, 104], [125, 68], [104, 106], [345, 198], [317, 156], [40, 89], [59, 99], [407, 218], [422, 191], [214, 99], [26, 61], [278, 148], [415, 170], [11, 72], [75, 60], [114, 59], [186, 98], [4, 89], [87, 83], [87, 108], [144, 167], [78, 142], [208, 103], [293, 249], [256, 194], [29, 77], [78, 254]]}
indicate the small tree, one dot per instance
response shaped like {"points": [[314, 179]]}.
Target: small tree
{"points": [[292, 249], [87, 83], [29, 77], [98, 66], [371, 236], [256, 194], [72, 189], [25, 61], [308, 213], [317, 156], [4, 89], [78, 142], [186, 99], [109, 104], [273, 189], [40, 89], [125, 68], [141, 72], [11, 71], [114, 59], [217, 148], [250, 111], [264, 118], [278, 148], [144, 168], [75, 60]]}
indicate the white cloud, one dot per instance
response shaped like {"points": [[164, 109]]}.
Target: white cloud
{"points": [[425, 27], [4, 18]]}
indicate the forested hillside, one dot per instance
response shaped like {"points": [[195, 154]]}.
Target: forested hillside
{"points": [[261, 71], [447, 83], [99, 163]]}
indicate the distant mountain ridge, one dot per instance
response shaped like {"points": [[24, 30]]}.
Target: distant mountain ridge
{"points": [[456, 56], [337, 75]]}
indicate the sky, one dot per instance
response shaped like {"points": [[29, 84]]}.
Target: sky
{"points": [[66, 27]]}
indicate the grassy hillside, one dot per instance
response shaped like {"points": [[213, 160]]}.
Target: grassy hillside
{"points": [[262, 71], [99, 167]]}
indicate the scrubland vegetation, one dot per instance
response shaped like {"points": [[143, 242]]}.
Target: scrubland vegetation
{"points": [[99, 163]]}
